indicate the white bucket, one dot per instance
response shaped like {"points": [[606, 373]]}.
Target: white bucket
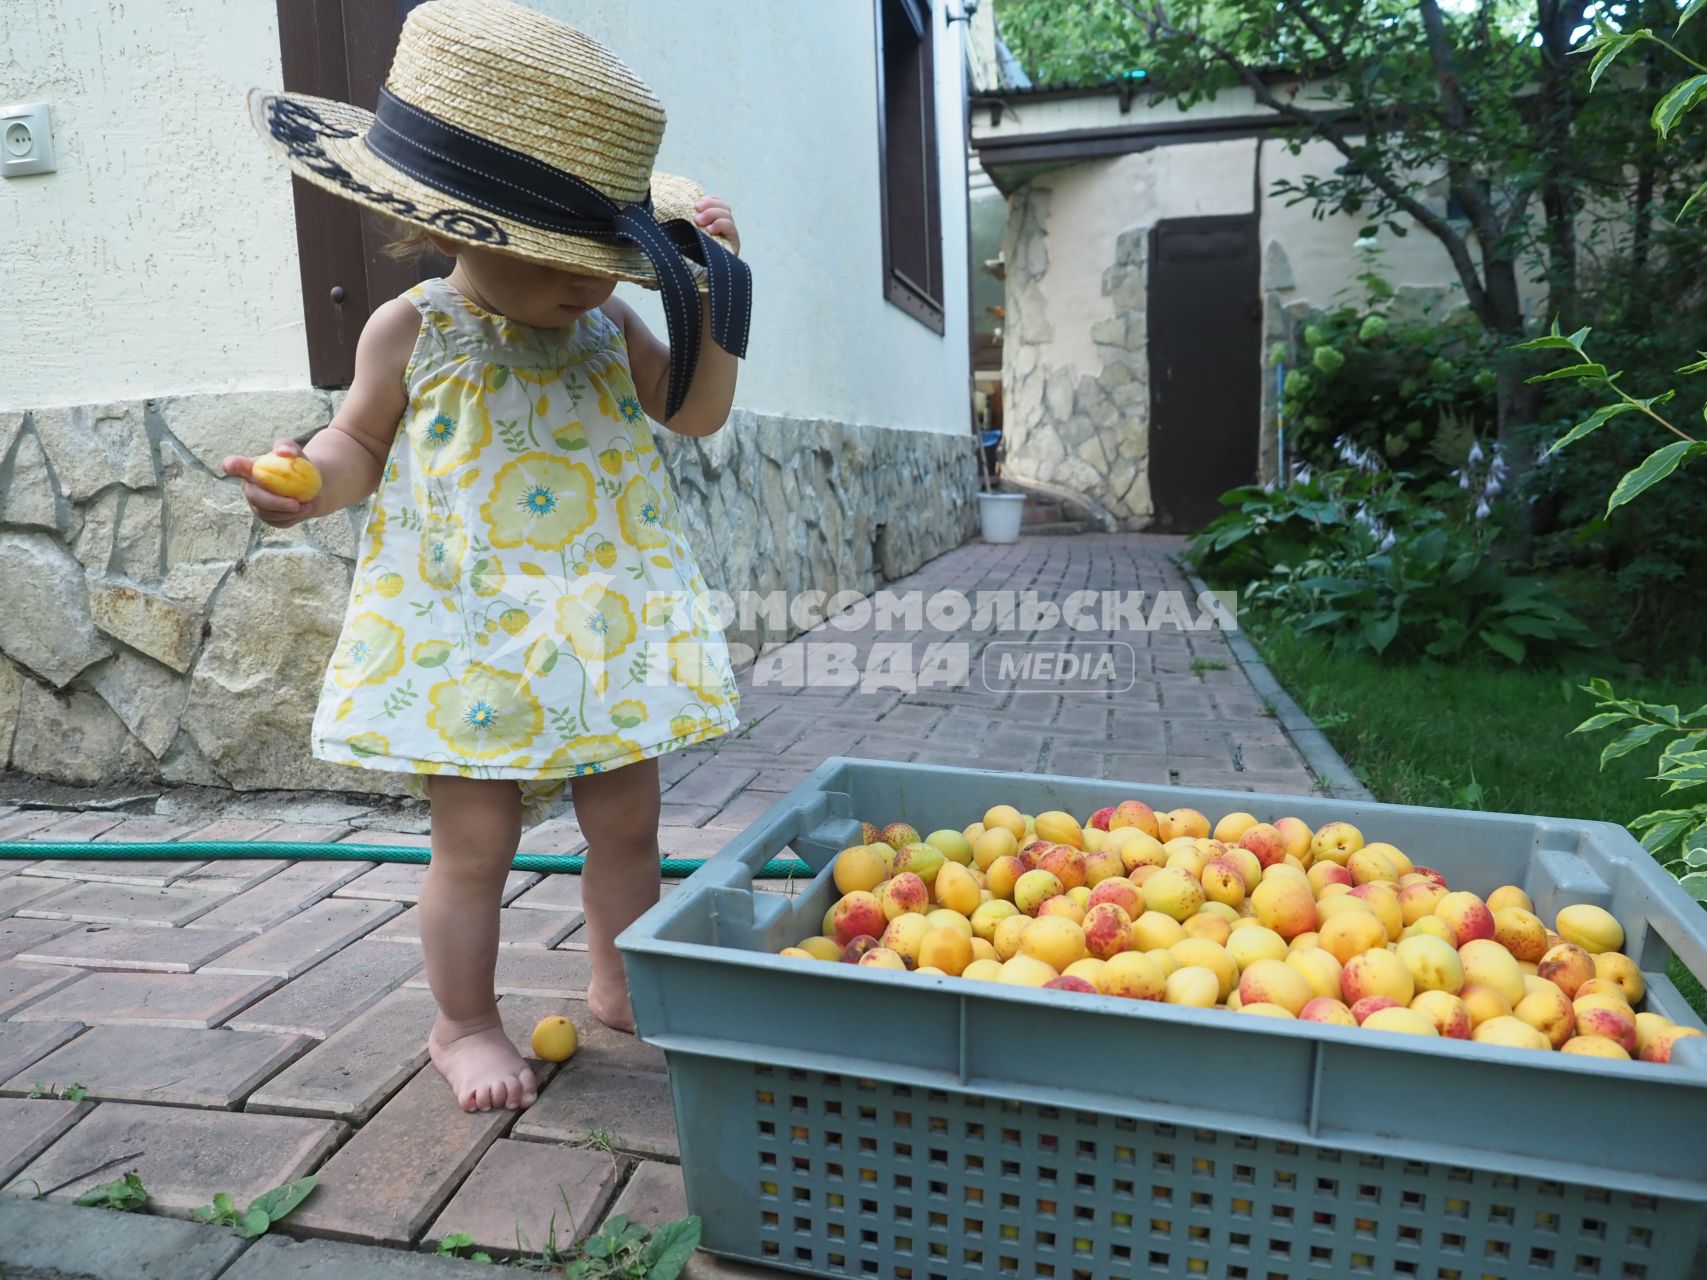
{"points": [[999, 516]]}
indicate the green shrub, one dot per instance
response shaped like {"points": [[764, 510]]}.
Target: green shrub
{"points": [[1409, 390]]}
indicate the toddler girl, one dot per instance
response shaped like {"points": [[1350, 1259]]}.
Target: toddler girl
{"points": [[523, 610]]}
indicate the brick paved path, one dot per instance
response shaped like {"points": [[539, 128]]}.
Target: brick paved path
{"points": [[236, 1024]]}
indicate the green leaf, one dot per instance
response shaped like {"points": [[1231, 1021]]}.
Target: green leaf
{"points": [[1604, 720], [1606, 50], [1663, 833], [1507, 646], [1599, 418], [500, 375], [670, 1248], [125, 1194], [1640, 736], [1690, 203], [278, 1204], [1379, 634], [1553, 341], [254, 1222], [1695, 885], [1589, 370], [1689, 11], [1669, 109], [1654, 468]]}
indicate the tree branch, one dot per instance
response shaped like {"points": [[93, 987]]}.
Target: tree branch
{"points": [[1471, 193], [1321, 126]]}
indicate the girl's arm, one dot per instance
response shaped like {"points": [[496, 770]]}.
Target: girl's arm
{"points": [[713, 392], [350, 452]]}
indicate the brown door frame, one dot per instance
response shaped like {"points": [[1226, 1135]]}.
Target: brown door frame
{"points": [[1178, 510], [342, 49]]}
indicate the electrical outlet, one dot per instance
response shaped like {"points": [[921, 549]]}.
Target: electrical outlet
{"points": [[26, 140]]}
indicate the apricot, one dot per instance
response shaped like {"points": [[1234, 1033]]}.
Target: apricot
{"points": [[1133, 976], [289, 476], [1592, 928]]}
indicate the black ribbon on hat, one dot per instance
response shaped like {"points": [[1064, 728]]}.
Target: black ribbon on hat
{"points": [[500, 180]]}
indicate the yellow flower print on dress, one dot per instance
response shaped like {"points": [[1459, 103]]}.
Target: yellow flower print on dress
{"points": [[485, 713], [591, 753], [443, 544], [640, 509], [618, 401], [370, 651], [457, 431], [541, 500], [693, 664], [628, 713], [596, 621], [370, 744], [375, 534]]}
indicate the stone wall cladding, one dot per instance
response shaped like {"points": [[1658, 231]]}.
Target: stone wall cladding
{"points": [[1086, 431], [152, 630]]}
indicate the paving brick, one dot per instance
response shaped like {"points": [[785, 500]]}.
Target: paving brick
{"points": [[597, 1045], [307, 833], [232, 830], [693, 842], [145, 830], [399, 882], [654, 1195], [133, 1063], [279, 897], [149, 999], [272, 1257], [29, 1126], [232, 875], [182, 1156], [552, 893], [554, 835], [305, 939], [392, 1178], [106, 946], [334, 991], [23, 1043], [124, 904], [353, 1072], [711, 784], [17, 891], [744, 810], [516, 928], [20, 826], [17, 935], [532, 1195], [685, 815], [22, 984], [633, 1107], [391, 839], [75, 826], [156, 872], [524, 971], [36, 1238]]}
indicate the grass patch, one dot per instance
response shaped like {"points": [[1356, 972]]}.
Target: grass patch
{"points": [[1476, 737]]}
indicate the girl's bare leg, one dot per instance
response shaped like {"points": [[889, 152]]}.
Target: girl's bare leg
{"points": [[618, 814], [476, 827]]}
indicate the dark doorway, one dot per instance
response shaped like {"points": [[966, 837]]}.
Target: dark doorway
{"points": [[342, 49], [1205, 366]]}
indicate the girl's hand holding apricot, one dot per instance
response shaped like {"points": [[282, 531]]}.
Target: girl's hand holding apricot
{"points": [[279, 486]]}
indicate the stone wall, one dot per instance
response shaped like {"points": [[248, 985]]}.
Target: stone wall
{"points": [[1085, 431], [151, 629]]}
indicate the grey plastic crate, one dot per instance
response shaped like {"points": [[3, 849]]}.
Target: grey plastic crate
{"points": [[847, 1121]]}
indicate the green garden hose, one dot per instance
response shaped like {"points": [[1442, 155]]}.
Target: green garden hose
{"points": [[215, 850]]}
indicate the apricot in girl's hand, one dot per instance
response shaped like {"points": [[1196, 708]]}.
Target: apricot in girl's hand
{"points": [[288, 476]]}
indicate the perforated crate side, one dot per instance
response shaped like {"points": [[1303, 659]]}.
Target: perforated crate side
{"points": [[835, 1175]]}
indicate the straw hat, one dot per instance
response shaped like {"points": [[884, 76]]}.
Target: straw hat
{"points": [[503, 128]]}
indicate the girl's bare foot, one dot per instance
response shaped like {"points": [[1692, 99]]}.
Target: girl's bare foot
{"points": [[480, 1064], [609, 1003]]}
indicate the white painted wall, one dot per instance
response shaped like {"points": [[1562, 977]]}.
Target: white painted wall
{"points": [[161, 258]]}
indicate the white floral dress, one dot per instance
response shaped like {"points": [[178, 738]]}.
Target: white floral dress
{"points": [[525, 604]]}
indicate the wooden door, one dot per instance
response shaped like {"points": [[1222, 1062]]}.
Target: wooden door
{"points": [[342, 49], [1205, 324]]}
